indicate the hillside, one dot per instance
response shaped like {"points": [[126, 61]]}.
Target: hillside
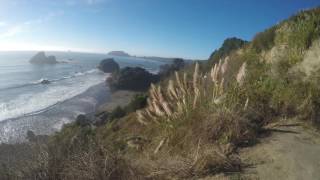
{"points": [[202, 121]]}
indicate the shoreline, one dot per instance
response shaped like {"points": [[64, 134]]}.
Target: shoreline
{"points": [[95, 99]]}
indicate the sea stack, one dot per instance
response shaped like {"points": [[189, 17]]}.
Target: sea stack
{"points": [[41, 58], [118, 53], [109, 66], [132, 78]]}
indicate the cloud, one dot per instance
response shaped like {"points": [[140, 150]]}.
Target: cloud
{"points": [[91, 2], [21, 27], [44, 19], [86, 2], [2, 23], [22, 46], [12, 31]]}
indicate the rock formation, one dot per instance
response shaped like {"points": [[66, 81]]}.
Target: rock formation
{"points": [[41, 58], [109, 66]]}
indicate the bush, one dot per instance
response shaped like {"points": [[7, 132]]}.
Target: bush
{"points": [[82, 120], [168, 69], [298, 33], [137, 102], [117, 113], [229, 45], [265, 40]]}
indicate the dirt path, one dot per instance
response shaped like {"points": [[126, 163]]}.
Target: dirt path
{"points": [[292, 151]]}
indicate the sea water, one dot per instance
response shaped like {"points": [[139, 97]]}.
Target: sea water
{"points": [[22, 94]]}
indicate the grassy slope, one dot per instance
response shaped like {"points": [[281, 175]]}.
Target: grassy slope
{"points": [[193, 126]]}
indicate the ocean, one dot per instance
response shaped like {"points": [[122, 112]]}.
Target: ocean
{"points": [[27, 104]]}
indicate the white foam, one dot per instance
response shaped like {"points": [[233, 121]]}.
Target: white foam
{"points": [[30, 102], [60, 123]]}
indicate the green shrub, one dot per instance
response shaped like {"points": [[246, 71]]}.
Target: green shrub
{"points": [[298, 33], [264, 41], [117, 113], [137, 102], [229, 45]]}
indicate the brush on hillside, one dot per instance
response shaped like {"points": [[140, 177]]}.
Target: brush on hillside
{"points": [[241, 74]]}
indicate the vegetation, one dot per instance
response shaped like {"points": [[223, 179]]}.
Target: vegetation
{"points": [[129, 78], [264, 41], [229, 45], [168, 69], [192, 123]]}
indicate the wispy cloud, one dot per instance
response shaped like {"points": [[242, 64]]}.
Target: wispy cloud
{"points": [[90, 2], [44, 19], [12, 31], [87, 2], [21, 27], [2, 23]]}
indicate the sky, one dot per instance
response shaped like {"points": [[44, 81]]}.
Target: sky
{"points": [[167, 28]]}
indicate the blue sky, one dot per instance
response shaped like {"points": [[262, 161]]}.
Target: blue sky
{"points": [[170, 28]]}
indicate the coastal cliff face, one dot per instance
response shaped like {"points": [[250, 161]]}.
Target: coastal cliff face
{"points": [[41, 58], [195, 121]]}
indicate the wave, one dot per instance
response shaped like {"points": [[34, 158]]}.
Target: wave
{"points": [[36, 102], [41, 80]]}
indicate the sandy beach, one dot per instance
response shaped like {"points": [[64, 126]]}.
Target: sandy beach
{"points": [[50, 120]]}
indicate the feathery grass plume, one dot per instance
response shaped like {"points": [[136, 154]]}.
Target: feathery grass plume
{"points": [[180, 84], [221, 87], [159, 146], [219, 67], [241, 74], [217, 76], [246, 104], [195, 77], [216, 71], [150, 114], [224, 66], [195, 85], [177, 99], [141, 118], [164, 103], [213, 74], [171, 91], [150, 105], [185, 81], [153, 92], [196, 97], [157, 108]]}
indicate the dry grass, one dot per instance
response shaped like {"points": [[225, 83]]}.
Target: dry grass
{"points": [[194, 133], [181, 97]]}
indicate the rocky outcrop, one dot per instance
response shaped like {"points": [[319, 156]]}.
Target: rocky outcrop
{"points": [[132, 78], [167, 69], [109, 66], [45, 81], [41, 58]]}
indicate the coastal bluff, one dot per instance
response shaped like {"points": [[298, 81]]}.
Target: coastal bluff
{"points": [[41, 58]]}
